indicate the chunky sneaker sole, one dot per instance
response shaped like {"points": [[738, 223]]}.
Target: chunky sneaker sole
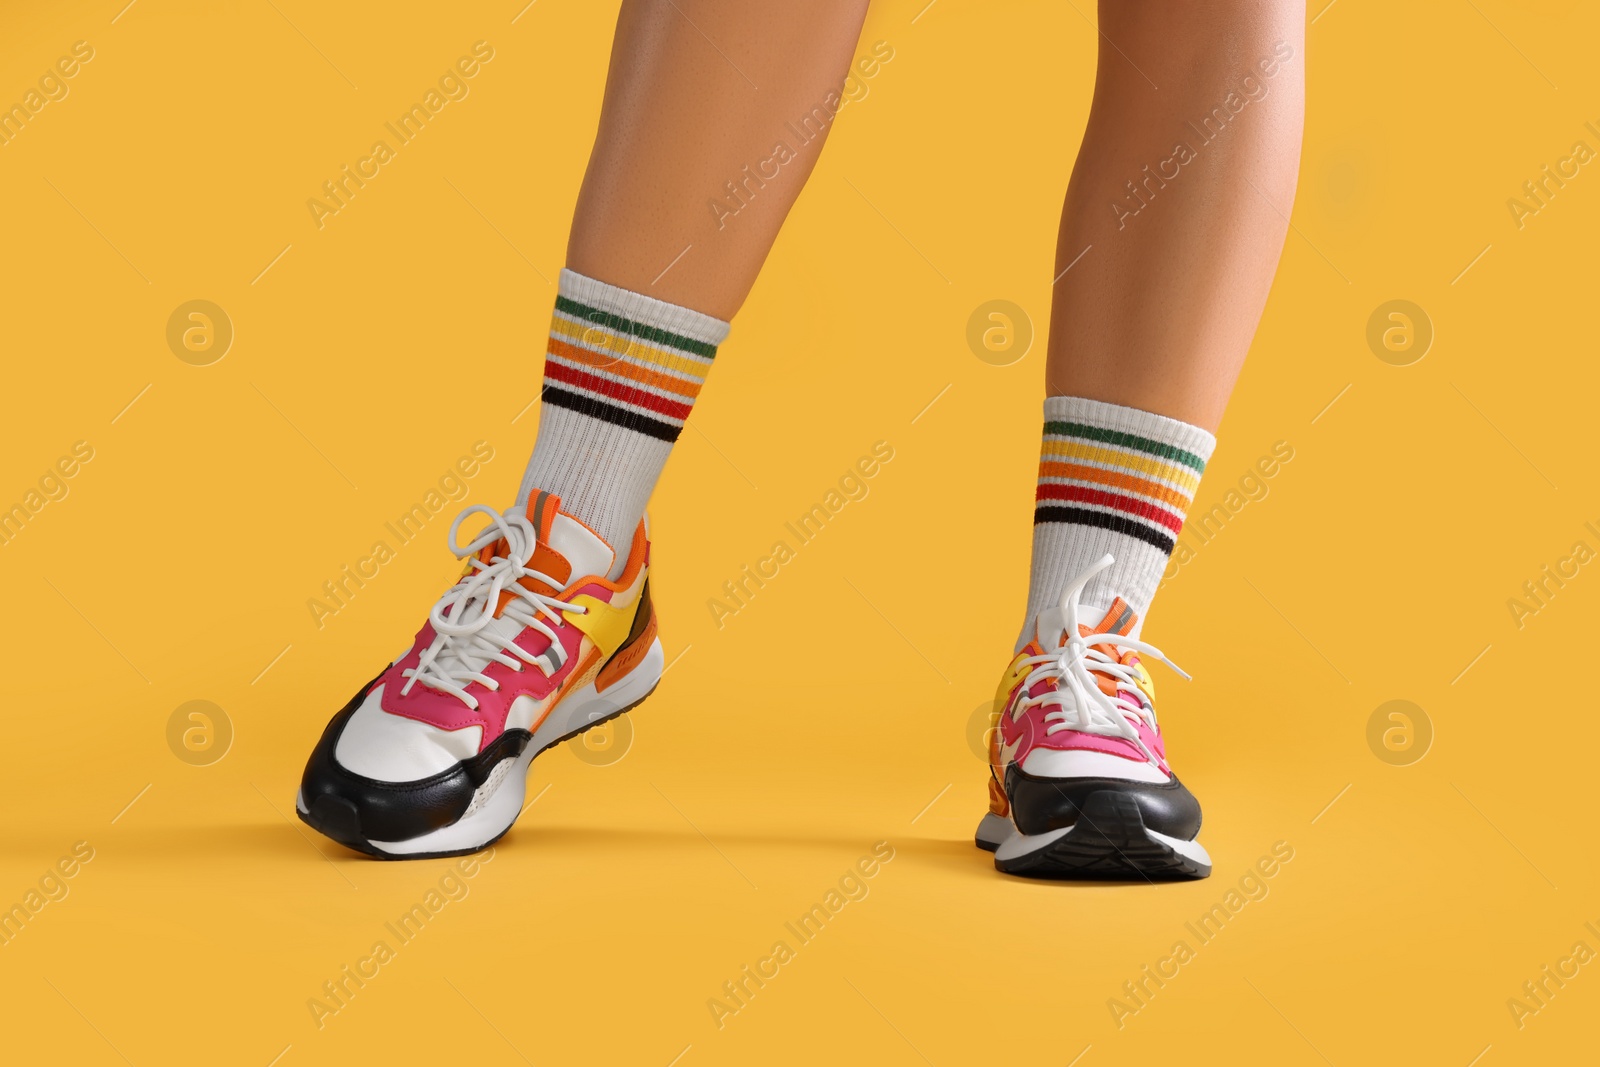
{"points": [[1079, 783], [1108, 840], [488, 792], [533, 645]]}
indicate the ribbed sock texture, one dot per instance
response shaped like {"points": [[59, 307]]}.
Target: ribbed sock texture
{"points": [[620, 376], [1111, 479]]}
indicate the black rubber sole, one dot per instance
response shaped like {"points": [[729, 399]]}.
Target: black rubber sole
{"points": [[1109, 841], [338, 820], [988, 846]]}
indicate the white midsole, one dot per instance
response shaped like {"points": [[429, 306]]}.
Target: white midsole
{"points": [[1021, 844], [496, 814], [994, 829]]}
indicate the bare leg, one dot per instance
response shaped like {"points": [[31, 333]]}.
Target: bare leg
{"points": [[683, 116], [655, 272], [1172, 232], [1160, 311], [1174, 221], [715, 113]]}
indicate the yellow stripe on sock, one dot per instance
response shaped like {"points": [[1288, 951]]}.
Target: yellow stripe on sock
{"points": [[1131, 461], [632, 348]]}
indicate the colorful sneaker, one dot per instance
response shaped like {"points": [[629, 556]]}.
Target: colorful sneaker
{"points": [[529, 648], [1079, 784]]}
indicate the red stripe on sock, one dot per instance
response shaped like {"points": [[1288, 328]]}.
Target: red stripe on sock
{"points": [[654, 379], [1142, 508], [614, 391]]}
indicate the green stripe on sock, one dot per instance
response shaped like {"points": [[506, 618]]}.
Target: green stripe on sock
{"points": [[617, 323], [1086, 432]]}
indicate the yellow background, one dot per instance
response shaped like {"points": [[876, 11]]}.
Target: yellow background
{"points": [[832, 712]]}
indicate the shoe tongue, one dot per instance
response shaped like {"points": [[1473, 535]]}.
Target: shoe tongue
{"points": [[1119, 619], [567, 550]]}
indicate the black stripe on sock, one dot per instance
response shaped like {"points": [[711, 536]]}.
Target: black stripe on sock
{"points": [[1114, 523], [624, 417]]}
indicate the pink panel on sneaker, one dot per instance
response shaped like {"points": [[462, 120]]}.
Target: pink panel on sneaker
{"points": [[599, 592], [1032, 732], [448, 713], [1066, 740]]}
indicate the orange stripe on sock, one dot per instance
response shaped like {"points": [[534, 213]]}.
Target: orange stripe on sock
{"points": [[622, 368], [1116, 480]]}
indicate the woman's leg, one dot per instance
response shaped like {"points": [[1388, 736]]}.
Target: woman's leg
{"points": [[1181, 195], [701, 93], [695, 167], [552, 630], [1174, 221]]}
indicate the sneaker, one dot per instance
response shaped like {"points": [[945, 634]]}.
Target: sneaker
{"points": [[1079, 784], [531, 647]]}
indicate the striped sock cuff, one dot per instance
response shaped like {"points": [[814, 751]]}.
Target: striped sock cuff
{"points": [[627, 358], [1112, 480], [1119, 469]]}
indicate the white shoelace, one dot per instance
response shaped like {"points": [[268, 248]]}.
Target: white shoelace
{"points": [[1079, 702], [465, 641]]}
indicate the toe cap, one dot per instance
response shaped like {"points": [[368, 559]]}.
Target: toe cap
{"points": [[355, 809], [392, 748], [1040, 804]]}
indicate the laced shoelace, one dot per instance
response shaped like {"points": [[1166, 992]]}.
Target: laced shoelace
{"points": [[1079, 702], [464, 642]]}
